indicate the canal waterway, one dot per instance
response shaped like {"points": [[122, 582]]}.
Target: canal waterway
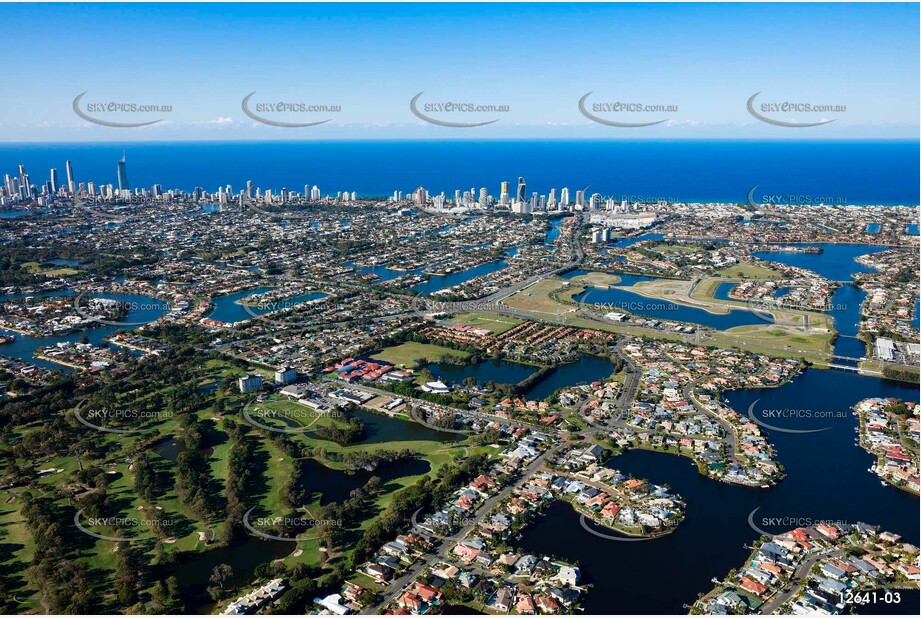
{"points": [[827, 479], [228, 309], [142, 309]]}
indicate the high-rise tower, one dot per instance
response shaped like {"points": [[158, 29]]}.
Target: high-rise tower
{"points": [[123, 174]]}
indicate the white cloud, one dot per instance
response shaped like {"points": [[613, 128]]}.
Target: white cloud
{"points": [[222, 121]]}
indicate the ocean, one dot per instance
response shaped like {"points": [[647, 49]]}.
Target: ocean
{"points": [[831, 171]]}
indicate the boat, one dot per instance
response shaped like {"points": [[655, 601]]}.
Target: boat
{"points": [[7, 338]]}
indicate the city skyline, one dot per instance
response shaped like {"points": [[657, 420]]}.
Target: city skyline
{"points": [[442, 309], [206, 60]]}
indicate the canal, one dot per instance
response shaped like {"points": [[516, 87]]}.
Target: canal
{"points": [[836, 262], [142, 309], [827, 479], [229, 310], [440, 282]]}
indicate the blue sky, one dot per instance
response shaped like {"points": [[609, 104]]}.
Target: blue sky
{"points": [[704, 60]]}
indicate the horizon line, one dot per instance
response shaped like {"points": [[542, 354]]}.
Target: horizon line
{"points": [[469, 139]]}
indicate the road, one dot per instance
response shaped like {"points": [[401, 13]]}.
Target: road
{"points": [[728, 430], [421, 402], [443, 548], [800, 576], [631, 382]]}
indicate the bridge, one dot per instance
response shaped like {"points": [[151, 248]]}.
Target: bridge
{"points": [[853, 368]]}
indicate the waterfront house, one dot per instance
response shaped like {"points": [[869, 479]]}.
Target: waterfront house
{"points": [[502, 600], [436, 387], [772, 552], [568, 575], [890, 537], [609, 511], [750, 585], [727, 600], [830, 570]]}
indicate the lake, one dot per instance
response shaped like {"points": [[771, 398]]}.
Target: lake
{"points": [[499, 371], [618, 299], [583, 371], [380, 428], [335, 485]]}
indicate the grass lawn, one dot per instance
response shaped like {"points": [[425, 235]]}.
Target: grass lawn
{"points": [[766, 338], [875, 365], [770, 339], [672, 248], [707, 288], [407, 354], [745, 270], [496, 323], [537, 298], [596, 278], [18, 546], [360, 579], [677, 291], [52, 271]]}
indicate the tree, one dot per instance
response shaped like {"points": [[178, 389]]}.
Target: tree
{"points": [[128, 574], [220, 576]]}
